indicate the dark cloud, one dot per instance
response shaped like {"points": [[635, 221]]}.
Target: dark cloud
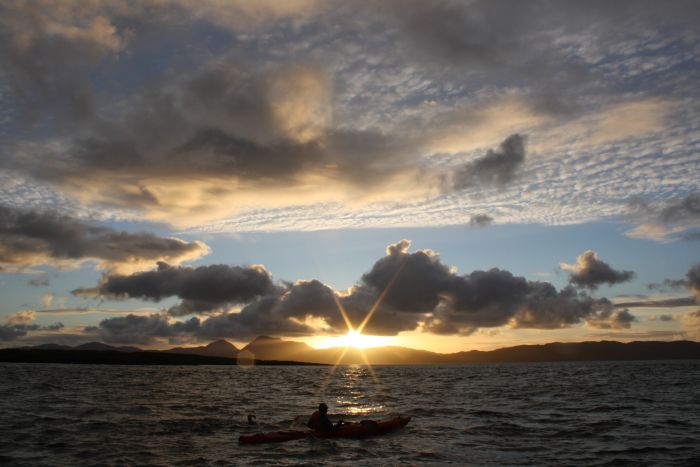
{"points": [[37, 237], [668, 284], [590, 272], [514, 40], [673, 211], [314, 299], [609, 319], [481, 220], [419, 283], [667, 217], [662, 303], [135, 329], [212, 132], [38, 282], [411, 282], [661, 318], [405, 289], [546, 308], [47, 53], [203, 289], [691, 321], [259, 115], [495, 168], [680, 210], [691, 281], [10, 332], [262, 317], [693, 276]]}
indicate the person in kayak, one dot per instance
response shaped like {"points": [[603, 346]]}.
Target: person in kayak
{"points": [[319, 420]]}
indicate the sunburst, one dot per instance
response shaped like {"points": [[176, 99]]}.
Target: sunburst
{"points": [[354, 337]]}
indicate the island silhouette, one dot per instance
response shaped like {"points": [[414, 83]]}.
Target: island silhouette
{"points": [[265, 350]]}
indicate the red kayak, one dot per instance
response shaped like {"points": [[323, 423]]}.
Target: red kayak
{"points": [[361, 429]]}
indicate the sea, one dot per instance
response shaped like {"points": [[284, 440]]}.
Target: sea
{"points": [[591, 413]]}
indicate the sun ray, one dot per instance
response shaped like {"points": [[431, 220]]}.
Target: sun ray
{"points": [[369, 365], [333, 369], [343, 313], [358, 331], [379, 300]]}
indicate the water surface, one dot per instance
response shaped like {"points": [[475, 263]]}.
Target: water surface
{"points": [[607, 413]]}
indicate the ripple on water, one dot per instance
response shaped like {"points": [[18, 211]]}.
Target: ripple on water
{"points": [[534, 414]]}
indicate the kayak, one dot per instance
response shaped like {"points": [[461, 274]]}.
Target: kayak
{"points": [[357, 430]]}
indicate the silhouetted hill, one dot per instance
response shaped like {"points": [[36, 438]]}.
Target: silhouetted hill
{"points": [[265, 347], [220, 348], [273, 348], [584, 351], [113, 357], [101, 346], [279, 350], [51, 347]]}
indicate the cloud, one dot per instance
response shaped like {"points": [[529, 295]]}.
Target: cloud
{"points": [[47, 299], [552, 52], [665, 220], [69, 311], [693, 276], [50, 50], [202, 147], [691, 281], [46, 53], [481, 220], [683, 209], [260, 108], [668, 284], [242, 15], [661, 318], [691, 322], [658, 303], [21, 317], [495, 168], [20, 324], [590, 272], [609, 319], [135, 329], [486, 39], [203, 289], [10, 332], [648, 335], [631, 119], [406, 291], [39, 282], [29, 238]]}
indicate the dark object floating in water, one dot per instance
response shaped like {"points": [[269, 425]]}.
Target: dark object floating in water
{"points": [[362, 429]]}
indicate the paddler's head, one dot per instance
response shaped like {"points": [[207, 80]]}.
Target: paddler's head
{"points": [[323, 408]]}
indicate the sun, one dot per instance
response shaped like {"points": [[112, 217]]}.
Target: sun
{"points": [[357, 340]]}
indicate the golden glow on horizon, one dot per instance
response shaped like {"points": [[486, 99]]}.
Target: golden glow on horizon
{"points": [[354, 339]]}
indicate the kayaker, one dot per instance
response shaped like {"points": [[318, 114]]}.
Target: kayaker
{"points": [[319, 420]]}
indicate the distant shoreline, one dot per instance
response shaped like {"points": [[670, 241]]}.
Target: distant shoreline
{"points": [[113, 357], [271, 355]]}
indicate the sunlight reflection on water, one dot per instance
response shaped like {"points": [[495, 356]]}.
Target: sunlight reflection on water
{"points": [[537, 414]]}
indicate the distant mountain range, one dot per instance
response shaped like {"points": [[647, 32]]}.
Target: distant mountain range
{"points": [[272, 349]]}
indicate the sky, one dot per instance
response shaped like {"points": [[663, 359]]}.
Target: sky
{"points": [[448, 175]]}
